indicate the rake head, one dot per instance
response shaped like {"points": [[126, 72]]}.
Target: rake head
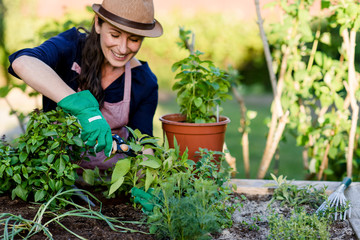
{"points": [[337, 202]]}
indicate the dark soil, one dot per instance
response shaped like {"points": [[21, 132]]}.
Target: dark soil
{"points": [[88, 228], [255, 205]]}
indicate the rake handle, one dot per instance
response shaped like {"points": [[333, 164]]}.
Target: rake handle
{"points": [[346, 181]]}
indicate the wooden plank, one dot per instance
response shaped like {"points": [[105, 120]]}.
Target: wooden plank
{"points": [[353, 194], [259, 186], [355, 223]]}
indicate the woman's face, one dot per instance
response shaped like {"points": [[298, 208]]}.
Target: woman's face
{"points": [[118, 46]]}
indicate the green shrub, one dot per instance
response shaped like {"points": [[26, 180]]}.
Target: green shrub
{"points": [[146, 170], [44, 160], [292, 195], [192, 204]]}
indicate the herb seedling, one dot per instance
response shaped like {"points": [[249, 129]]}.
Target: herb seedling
{"points": [[300, 225], [292, 195], [201, 86]]}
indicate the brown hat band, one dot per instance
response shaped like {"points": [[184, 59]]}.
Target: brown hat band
{"points": [[126, 22]]}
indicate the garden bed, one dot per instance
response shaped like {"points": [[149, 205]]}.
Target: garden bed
{"points": [[254, 213]]}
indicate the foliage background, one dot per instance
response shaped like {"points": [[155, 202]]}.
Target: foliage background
{"points": [[225, 30]]}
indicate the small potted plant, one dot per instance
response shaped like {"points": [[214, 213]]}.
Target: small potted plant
{"points": [[201, 88]]}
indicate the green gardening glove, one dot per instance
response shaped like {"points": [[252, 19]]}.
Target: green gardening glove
{"points": [[95, 131], [146, 199]]}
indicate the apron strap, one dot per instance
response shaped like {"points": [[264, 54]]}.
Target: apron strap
{"points": [[127, 86]]}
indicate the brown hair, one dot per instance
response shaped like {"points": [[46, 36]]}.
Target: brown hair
{"points": [[92, 59]]}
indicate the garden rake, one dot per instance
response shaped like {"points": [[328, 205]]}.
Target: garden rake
{"points": [[338, 201]]}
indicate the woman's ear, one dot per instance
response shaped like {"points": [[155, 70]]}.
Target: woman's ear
{"points": [[97, 26]]}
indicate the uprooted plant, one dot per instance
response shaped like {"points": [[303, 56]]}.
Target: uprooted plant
{"points": [[15, 226]]}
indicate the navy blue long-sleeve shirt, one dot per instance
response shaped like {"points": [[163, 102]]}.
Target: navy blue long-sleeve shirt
{"points": [[61, 51]]}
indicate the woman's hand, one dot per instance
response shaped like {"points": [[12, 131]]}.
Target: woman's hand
{"points": [[96, 131]]}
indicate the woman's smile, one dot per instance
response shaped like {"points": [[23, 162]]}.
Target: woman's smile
{"points": [[121, 57], [118, 46]]}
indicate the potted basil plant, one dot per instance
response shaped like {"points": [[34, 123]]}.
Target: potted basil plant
{"points": [[201, 89]]}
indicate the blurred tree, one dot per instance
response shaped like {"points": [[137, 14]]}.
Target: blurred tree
{"points": [[3, 49], [7, 82]]}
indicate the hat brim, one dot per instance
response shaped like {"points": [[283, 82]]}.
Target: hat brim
{"points": [[157, 31]]}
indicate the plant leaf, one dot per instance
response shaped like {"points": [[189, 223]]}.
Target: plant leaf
{"points": [[121, 168], [116, 185], [23, 156], [89, 176], [151, 163], [20, 192], [39, 195], [198, 101], [149, 179]]}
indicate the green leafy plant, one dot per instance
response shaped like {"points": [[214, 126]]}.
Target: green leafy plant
{"points": [[145, 170], [191, 200], [300, 225], [292, 195], [201, 86], [44, 160], [15, 226], [178, 185], [253, 224], [191, 204], [337, 211]]}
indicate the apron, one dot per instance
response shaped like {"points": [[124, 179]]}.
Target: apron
{"points": [[117, 116]]}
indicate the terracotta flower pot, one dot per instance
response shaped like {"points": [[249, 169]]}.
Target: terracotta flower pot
{"points": [[194, 135]]}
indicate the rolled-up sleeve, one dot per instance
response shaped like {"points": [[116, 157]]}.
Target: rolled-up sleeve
{"points": [[60, 49]]}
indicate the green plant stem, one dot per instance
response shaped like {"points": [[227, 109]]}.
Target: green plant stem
{"points": [[68, 230]]}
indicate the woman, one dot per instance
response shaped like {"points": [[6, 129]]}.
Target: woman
{"points": [[96, 76]]}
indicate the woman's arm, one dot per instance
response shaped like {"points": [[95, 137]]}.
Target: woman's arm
{"points": [[41, 77], [96, 131]]}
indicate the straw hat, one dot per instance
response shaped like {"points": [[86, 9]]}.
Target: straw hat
{"points": [[133, 16]]}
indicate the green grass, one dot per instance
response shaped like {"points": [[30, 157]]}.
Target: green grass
{"points": [[290, 159]]}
